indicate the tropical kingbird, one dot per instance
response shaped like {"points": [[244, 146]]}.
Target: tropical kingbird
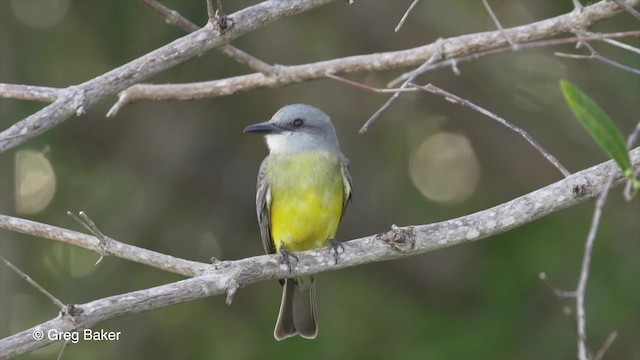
{"points": [[303, 188]]}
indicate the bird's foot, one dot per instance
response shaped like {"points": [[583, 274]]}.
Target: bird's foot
{"points": [[334, 246], [286, 257]]}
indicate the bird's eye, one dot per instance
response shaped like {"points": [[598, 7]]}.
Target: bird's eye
{"points": [[298, 122]]}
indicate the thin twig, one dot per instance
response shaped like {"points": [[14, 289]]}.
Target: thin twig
{"points": [[598, 57], [521, 46], [364, 86], [85, 221], [577, 5], [33, 283], [493, 16], [622, 45], [464, 102], [436, 56], [62, 350], [628, 8], [174, 18], [210, 12], [460, 101], [406, 14], [588, 249], [584, 272], [607, 344], [629, 191], [562, 294], [171, 17]]}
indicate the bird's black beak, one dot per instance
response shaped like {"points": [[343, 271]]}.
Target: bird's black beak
{"points": [[263, 128]]}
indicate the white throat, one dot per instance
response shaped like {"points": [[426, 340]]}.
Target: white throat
{"points": [[290, 143]]}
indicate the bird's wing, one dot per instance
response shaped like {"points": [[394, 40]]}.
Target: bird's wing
{"points": [[346, 183], [263, 203]]}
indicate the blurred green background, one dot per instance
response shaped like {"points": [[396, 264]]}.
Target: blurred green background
{"points": [[179, 178]]}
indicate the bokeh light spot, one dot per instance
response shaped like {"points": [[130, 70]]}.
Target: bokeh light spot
{"points": [[444, 168], [35, 181], [40, 13]]}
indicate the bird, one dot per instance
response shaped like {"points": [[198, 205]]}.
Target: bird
{"points": [[304, 186]]}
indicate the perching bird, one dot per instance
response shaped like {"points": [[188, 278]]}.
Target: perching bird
{"points": [[303, 188]]}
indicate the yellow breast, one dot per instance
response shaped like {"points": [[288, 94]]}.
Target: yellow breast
{"points": [[306, 199]]}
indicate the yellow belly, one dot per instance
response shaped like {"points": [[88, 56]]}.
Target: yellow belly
{"points": [[306, 199]]}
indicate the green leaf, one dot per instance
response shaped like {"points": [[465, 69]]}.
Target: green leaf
{"points": [[599, 126]]}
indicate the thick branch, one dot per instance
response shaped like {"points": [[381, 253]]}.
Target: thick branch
{"points": [[459, 46], [399, 242], [76, 99]]}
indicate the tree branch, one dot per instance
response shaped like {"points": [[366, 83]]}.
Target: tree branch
{"points": [[596, 56], [495, 20], [76, 99], [453, 63], [113, 247], [28, 92], [406, 15], [33, 283], [173, 17], [460, 46], [227, 277]]}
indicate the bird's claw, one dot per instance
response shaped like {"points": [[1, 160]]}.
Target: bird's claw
{"points": [[334, 246], [286, 258]]}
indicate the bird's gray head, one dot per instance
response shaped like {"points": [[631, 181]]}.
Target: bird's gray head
{"points": [[297, 128]]}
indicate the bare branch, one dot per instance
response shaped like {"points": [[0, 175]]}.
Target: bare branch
{"points": [[629, 191], [75, 99], [577, 5], [457, 49], [493, 16], [171, 17], [174, 18], [586, 262], [460, 101], [83, 219], [33, 283], [629, 8], [586, 259], [562, 294], [28, 92], [406, 15], [397, 243], [210, 12], [596, 56], [115, 248], [521, 46], [622, 45], [437, 56], [607, 344], [63, 350]]}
